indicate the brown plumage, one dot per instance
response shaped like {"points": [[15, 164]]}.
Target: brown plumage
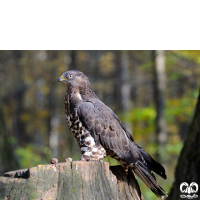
{"points": [[100, 133]]}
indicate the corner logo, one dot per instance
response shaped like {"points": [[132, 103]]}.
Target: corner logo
{"points": [[190, 190]]}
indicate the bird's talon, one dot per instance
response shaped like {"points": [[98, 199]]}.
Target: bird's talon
{"points": [[68, 159], [82, 160]]}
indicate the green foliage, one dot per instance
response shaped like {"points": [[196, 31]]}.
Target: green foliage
{"points": [[32, 155], [142, 120], [174, 148], [180, 109]]}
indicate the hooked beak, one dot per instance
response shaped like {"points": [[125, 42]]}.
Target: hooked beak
{"points": [[61, 78]]}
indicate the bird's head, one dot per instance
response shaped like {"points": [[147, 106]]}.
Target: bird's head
{"points": [[76, 80], [73, 78]]}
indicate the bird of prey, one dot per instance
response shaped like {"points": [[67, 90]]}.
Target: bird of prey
{"points": [[100, 133]]}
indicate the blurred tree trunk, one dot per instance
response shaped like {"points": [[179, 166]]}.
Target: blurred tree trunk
{"points": [[159, 92], [122, 83], [122, 86], [7, 159], [73, 55], [20, 88], [188, 166], [134, 73], [52, 120]]}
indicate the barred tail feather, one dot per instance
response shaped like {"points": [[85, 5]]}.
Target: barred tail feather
{"points": [[146, 176]]}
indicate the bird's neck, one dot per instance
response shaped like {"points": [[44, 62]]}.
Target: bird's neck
{"points": [[84, 93]]}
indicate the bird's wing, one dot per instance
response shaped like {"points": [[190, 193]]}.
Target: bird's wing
{"points": [[107, 130]]}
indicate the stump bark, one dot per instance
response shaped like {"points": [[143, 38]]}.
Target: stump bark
{"points": [[70, 181]]}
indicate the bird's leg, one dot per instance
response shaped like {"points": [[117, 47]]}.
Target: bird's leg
{"points": [[89, 149], [89, 156], [92, 153]]}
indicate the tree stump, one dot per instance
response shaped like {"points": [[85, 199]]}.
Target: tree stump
{"points": [[70, 181]]}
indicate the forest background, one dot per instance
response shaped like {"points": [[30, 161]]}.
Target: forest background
{"points": [[154, 93]]}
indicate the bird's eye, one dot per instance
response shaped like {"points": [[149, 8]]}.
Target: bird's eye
{"points": [[70, 76]]}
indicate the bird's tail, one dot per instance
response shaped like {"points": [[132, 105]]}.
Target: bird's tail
{"points": [[149, 179]]}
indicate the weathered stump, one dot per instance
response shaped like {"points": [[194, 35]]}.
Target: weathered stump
{"points": [[71, 181]]}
